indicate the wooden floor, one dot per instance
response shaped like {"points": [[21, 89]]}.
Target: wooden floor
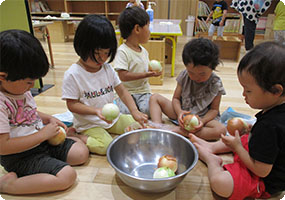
{"points": [[96, 179]]}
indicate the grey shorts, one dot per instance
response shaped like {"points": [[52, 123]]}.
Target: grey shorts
{"points": [[141, 100], [41, 159]]}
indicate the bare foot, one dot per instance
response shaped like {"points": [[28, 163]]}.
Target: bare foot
{"points": [[179, 130], [71, 132], [203, 143], [208, 158], [6, 179]]}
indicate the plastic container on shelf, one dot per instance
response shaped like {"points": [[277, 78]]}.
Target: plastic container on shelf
{"points": [[190, 25], [149, 11]]}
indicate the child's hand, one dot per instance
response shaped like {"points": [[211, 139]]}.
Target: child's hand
{"points": [[180, 117], [153, 73], [232, 141], [58, 122], [50, 130], [221, 23], [98, 112], [199, 127], [140, 117]]}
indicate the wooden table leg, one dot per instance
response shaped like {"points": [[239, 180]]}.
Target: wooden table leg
{"points": [[49, 47]]}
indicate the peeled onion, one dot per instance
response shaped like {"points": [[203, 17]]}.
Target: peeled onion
{"points": [[163, 172], [110, 111], [237, 123], [190, 121], [155, 65], [59, 138], [168, 161]]}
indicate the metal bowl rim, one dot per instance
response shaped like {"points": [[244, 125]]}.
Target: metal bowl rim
{"points": [[151, 179]]}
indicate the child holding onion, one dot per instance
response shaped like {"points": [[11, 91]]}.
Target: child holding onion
{"points": [[258, 170], [90, 83]]}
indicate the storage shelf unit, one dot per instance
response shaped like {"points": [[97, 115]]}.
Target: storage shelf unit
{"points": [[109, 8], [232, 15], [233, 19]]}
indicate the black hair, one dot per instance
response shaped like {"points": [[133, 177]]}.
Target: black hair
{"points": [[266, 63], [201, 51], [22, 56], [93, 33], [130, 17]]}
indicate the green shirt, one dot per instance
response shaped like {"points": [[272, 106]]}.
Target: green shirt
{"points": [[279, 22]]}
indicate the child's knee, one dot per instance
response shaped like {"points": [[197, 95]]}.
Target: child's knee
{"points": [[154, 97], [100, 144], [67, 177], [83, 153]]}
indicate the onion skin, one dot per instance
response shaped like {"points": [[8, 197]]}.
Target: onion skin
{"points": [[110, 111], [168, 161], [59, 138], [238, 124], [190, 121], [155, 65], [163, 172]]}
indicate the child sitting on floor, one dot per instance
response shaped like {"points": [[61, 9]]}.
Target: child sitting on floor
{"points": [[91, 83], [33, 164], [131, 61], [258, 170], [198, 91]]}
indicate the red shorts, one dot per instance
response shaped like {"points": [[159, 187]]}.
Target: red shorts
{"points": [[246, 183]]}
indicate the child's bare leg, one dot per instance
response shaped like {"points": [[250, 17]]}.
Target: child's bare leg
{"points": [[78, 153], [37, 183], [159, 104], [220, 180], [71, 132], [212, 130], [179, 130], [211, 147]]}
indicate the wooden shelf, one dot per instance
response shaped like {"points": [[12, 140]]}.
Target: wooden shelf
{"points": [[231, 15], [109, 8]]}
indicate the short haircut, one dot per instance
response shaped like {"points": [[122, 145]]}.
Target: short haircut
{"points": [[93, 33], [22, 56], [266, 63], [201, 51], [129, 18]]}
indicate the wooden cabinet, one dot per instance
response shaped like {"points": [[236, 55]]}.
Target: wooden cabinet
{"points": [[156, 51], [204, 7], [110, 8]]}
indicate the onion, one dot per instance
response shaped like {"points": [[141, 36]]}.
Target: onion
{"points": [[155, 65], [168, 161], [59, 138], [237, 123], [110, 111], [190, 121], [163, 172]]}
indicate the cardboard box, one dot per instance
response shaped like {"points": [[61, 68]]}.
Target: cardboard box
{"points": [[269, 34], [156, 51], [270, 20], [229, 47]]}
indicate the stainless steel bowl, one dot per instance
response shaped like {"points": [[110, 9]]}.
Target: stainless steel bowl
{"points": [[134, 156]]}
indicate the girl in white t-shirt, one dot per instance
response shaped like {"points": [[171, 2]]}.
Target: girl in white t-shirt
{"points": [[91, 83]]}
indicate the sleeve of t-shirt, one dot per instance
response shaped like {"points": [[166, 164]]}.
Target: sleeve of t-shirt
{"points": [[69, 88], [217, 87], [113, 76], [180, 77], [263, 144], [4, 121], [121, 61], [265, 6]]}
